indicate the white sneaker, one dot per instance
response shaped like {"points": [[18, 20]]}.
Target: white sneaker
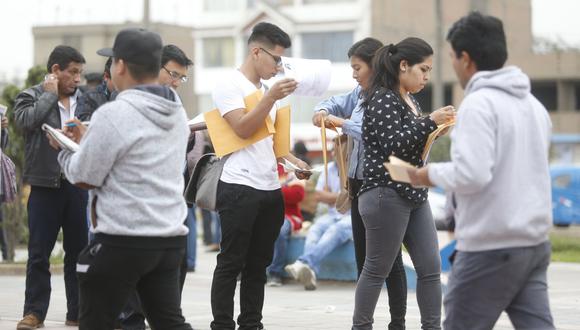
{"points": [[307, 277], [294, 269]]}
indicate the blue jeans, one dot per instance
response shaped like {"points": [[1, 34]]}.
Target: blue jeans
{"points": [[389, 221], [276, 268], [211, 227], [324, 236], [49, 210], [191, 237]]}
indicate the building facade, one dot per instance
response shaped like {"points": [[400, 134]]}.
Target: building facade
{"points": [[90, 38], [326, 29]]}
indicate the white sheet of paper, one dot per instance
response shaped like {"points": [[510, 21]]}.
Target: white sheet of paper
{"points": [[62, 139], [313, 76], [196, 120], [289, 167]]}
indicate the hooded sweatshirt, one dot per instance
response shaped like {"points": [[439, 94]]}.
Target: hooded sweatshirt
{"points": [[499, 168], [133, 153]]}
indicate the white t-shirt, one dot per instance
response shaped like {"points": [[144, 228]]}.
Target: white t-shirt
{"points": [[255, 165]]}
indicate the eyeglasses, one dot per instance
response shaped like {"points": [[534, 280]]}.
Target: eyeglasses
{"points": [[176, 75], [277, 59]]}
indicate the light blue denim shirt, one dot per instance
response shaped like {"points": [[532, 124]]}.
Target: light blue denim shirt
{"points": [[349, 107]]}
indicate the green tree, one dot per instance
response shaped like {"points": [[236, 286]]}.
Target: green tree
{"points": [[440, 150], [15, 214]]}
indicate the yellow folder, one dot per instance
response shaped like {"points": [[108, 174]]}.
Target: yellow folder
{"points": [[282, 135], [225, 140]]}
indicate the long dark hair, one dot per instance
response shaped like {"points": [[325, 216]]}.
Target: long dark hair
{"points": [[386, 63], [365, 49]]}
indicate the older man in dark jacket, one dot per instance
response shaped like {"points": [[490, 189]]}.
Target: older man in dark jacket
{"points": [[54, 203]]}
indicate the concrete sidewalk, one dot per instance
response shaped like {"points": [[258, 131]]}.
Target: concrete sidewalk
{"points": [[289, 306]]}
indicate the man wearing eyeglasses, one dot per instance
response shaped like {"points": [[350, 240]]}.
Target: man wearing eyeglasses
{"points": [[174, 65], [249, 198]]}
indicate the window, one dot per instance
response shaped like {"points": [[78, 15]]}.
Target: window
{"points": [[547, 93], [221, 5], [309, 2], [425, 97], [218, 52], [577, 92], [327, 45]]}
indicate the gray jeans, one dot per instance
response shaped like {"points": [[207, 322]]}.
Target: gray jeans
{"points": [[389, 221], [483, 284]]}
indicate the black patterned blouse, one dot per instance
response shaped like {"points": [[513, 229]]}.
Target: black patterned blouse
{"points": [[390, 127]]}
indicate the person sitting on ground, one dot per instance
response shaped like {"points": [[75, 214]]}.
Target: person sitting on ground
{"points": [[328, 232], [293, 193]]}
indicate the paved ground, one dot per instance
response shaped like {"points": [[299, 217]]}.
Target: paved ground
{"points": [[290, 307]]}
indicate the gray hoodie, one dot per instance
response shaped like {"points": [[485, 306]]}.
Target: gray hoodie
{"points": [[133, 153], [499, 164]]}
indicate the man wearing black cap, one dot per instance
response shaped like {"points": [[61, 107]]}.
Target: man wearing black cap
{"points": [[132, 158]]}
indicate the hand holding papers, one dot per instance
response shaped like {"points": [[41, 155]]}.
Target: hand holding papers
{"points": [[313, 76], [398, 169], [441, 130], [290, 167], [57, 137]]}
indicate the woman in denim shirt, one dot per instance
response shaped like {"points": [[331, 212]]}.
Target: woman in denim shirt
{"points": [[346, 111]]}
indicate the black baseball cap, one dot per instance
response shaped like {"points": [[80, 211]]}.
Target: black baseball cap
{"points": [[135, 45]]}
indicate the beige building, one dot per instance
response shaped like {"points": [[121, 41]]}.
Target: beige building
{"points": [[555, 76], [90, 38]]}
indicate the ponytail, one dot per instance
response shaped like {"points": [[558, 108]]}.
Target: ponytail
{"points": [[387, 60]]}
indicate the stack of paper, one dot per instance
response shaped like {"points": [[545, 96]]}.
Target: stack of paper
{"points": [[432, 137], [398, 169], [63, 141]]}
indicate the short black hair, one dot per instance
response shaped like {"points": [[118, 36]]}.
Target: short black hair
{"points": [[108, 66], [365, 49], [482, 37], [270, 35], [63, 55], [140, 72], [174, 53]]}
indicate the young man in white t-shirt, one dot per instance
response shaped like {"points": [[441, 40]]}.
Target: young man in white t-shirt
{"points": [[249, 199]]}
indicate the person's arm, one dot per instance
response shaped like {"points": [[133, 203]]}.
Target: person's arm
{"points": [[337, 105], [298, 163], [472, 152], [322, 193], [31, 112], [99, 149], [246, 123]]}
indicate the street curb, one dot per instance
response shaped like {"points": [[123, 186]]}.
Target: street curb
{"points": [[19, 269]]}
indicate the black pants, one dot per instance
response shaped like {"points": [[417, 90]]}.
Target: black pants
{"points": [[397, 279], [49, 210], [108, 274], [250, 222]]}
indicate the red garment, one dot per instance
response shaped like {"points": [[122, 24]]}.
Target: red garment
{"points": [[292, 196]]}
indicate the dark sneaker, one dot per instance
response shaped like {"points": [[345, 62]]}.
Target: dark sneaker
{"points": [[71, 323]]}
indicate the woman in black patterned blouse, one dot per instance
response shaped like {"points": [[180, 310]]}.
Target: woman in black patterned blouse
{"points": [[394, 212]]}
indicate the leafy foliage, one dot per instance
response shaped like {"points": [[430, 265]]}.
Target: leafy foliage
{"points": [[15, 214]]}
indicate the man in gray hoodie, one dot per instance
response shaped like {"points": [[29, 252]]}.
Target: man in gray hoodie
{"points": [[499, 174], [132, 156]]}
